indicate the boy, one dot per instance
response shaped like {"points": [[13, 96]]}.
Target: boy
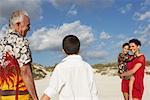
{"points": [[123, 59], [73, 78]]}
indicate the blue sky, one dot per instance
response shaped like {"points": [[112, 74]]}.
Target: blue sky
{"points": [[101, 25]]}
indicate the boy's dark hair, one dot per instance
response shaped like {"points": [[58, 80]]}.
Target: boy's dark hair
{"points": [[125, 44], [136, 41], [71, 44]]}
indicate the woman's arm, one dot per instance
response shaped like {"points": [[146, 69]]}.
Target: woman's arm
{"points": [[132, 71]]}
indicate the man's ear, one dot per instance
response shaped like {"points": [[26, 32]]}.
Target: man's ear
{"points": [[63, 50]]}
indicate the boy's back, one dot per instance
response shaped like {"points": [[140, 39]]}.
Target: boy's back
{"points": [[73, 80]]}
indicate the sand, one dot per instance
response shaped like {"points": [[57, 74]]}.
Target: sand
{"points": [[109, 87]]}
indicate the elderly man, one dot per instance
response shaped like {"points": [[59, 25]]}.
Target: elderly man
{"points": [[16, 82]]}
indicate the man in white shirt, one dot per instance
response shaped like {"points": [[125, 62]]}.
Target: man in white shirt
{"points": [[72, 78]]}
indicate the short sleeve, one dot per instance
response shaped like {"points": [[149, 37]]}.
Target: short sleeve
{"points": [[141, 59], [22, 51]]}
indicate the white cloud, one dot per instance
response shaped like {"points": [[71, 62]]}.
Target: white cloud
{"points": [[146, 30], [120, 39], [138, 30], [143, 39], [149, 43], [125, 9], [121, 36], [104, 36], [101, 45], [72, 11], [32, 6], [144, 34], [3, 30], [143, 16], [147, 2], [82, 3], [58, 3], [51, 38], [96, 54]]}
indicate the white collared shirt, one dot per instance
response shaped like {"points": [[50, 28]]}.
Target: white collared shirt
{"points": [[72, 79]]}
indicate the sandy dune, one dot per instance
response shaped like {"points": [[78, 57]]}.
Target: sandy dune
{"points": [[108, 87]]}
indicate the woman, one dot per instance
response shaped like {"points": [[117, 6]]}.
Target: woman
{"points": [[135, 67]]}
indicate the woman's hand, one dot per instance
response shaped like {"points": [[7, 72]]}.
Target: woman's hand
{"points": [[120, 75]]}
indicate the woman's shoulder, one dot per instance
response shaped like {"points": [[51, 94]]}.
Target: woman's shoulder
{"points": [[141, 55], [141, 58]]}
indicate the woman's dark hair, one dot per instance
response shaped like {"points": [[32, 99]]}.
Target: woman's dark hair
{"points": [[71, 44], [125, 44], [136, 41]]}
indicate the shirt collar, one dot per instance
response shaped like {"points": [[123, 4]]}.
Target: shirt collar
{"points": [[75, 57], [12, 31]]}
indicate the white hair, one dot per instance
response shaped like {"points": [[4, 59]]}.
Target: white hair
{"points": [[17, 17]]}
